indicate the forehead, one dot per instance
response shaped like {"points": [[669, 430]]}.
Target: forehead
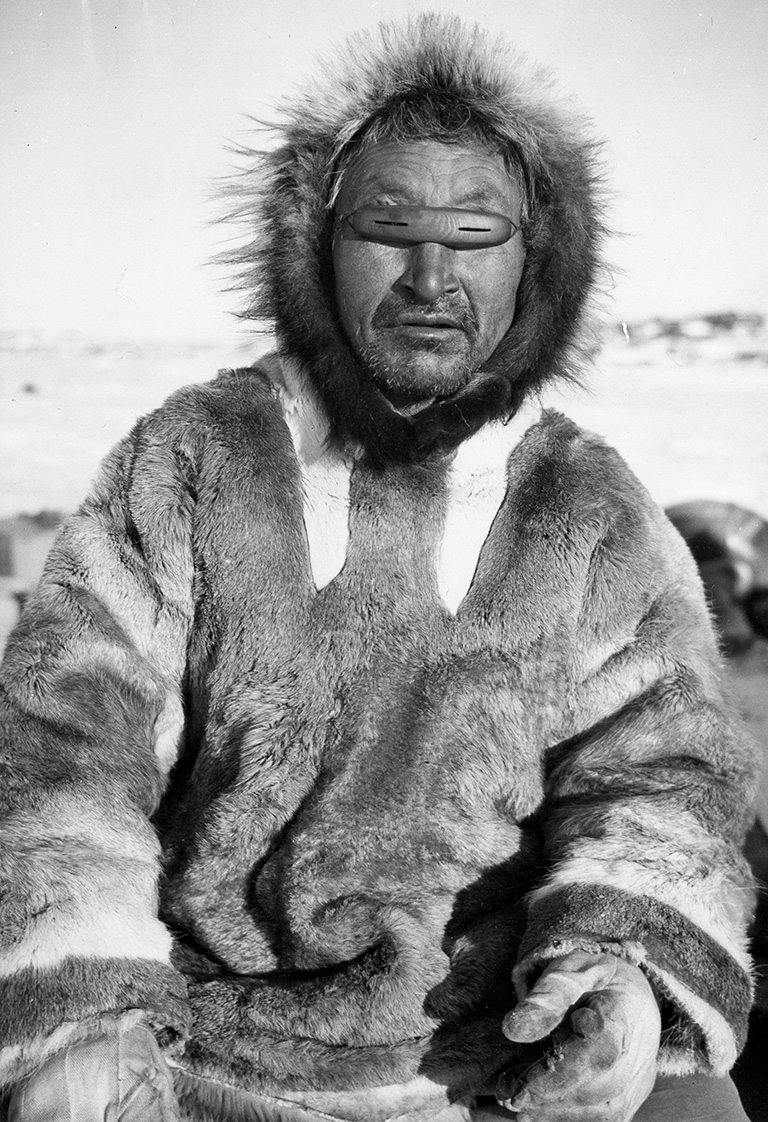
{"points": [[429, 173]]}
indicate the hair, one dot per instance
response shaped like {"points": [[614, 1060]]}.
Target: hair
{"points": [[437, 115]]}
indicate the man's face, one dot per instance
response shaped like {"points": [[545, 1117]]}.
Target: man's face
{"points": [[424, 317]]}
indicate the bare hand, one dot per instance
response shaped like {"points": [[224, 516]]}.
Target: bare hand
{"points": [[607, 1027], [121, 1078]]}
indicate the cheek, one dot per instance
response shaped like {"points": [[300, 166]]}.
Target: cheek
{"points": [[496, 292], [363, 276]]}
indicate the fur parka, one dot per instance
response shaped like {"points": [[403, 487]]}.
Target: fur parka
{"points": [[368, 811], [309, 760]]}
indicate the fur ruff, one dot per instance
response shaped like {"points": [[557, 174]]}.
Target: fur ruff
{"points": [[283, 196]]}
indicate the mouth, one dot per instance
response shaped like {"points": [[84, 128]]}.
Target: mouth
{"points": [[428, 330], [423, 322]]}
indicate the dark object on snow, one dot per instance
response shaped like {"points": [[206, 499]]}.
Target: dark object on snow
{"points": [[730, 546]]}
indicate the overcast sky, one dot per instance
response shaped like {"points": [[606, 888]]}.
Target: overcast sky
{"points": [[114, 115]]}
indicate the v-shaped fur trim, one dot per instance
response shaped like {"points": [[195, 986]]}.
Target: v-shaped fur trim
{"points": [[283, 196]]}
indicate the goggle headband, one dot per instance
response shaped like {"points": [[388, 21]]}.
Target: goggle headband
{"points": [[448, 226]]}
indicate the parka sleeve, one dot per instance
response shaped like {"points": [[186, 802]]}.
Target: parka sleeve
{"points": [[648, 792], [90, 722]]}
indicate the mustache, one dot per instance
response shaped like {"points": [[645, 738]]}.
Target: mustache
{"points": [[394, 310]]}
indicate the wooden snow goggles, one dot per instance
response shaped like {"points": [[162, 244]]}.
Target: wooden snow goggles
{"points": [[449, 226]]}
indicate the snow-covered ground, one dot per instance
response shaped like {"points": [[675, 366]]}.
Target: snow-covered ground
{"points": [[64, 405], [689, 431], [689, 427]]}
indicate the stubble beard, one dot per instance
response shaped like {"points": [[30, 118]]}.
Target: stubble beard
{"points": [[415, 372]]}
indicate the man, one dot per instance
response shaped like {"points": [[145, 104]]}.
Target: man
{"points": [[408, 696]]}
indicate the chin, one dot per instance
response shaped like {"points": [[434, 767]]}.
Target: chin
{"points": [[420, 377]]}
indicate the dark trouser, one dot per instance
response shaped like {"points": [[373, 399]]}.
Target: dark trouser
{"points": [[697, 1098]]}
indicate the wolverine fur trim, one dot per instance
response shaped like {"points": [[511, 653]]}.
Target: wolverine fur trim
{"points": [[284, 195]]}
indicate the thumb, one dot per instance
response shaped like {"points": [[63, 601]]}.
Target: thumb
{"points": [[562, 985]]}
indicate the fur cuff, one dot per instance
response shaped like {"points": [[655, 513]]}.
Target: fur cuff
{"points": [[704, 994]]}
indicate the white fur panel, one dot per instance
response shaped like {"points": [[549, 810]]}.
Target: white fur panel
{"points": [[325, 478], [326, 516], [168, 730], [477, 484], [84, 885], [87, 932], [679, 870]]}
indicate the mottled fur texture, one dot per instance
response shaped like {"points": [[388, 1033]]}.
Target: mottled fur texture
{"points": [[306, 833], [283, 199], [367, 786]]}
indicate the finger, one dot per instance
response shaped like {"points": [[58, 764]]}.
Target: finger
{"points": [[562, 985], [607, 1110], [575, 1067]]}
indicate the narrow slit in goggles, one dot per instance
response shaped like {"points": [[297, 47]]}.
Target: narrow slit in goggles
{"points": [[450, 226]]}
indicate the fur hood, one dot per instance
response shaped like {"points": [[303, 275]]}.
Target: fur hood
{"points": [[284, 193]]}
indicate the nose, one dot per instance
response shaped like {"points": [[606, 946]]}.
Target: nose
{"points": [[430, 272]]}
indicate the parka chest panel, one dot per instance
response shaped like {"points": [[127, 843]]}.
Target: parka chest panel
{"points": [[475, 486], [337, 767]]}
